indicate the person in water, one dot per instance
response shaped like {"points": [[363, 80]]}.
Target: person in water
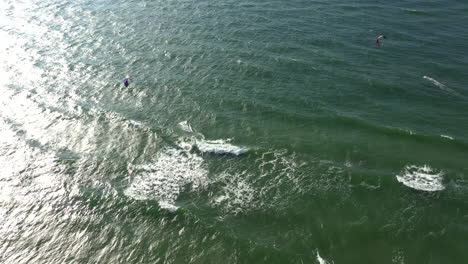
{"points": [[125, 81], [379, 38]]}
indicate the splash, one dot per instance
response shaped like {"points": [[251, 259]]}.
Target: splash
{"points": [[421, 178]]}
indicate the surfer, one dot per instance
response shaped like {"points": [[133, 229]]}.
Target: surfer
{"points": [[125, 81], [379, 38]]}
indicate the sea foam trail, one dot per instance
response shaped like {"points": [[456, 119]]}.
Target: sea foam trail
{"points": [[421, 178]]}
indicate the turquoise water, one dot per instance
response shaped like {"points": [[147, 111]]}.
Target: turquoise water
{"points": [[251, 132]]}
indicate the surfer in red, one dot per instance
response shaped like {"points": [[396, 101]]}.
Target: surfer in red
{"points": [[379, 38]]}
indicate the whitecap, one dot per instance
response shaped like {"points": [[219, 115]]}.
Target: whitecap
{"points": [[219, 146], [181, 231], [421, 178], [436, 83], [168, 206], [445, 136], [440, 85]]}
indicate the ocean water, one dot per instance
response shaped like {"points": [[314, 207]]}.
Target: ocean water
{"points": [[252, 131]]}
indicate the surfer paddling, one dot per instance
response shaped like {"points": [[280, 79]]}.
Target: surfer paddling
{"points": [[126, 81]]}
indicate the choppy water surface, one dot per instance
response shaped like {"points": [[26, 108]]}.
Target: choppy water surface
{"points": [[251, 132]]}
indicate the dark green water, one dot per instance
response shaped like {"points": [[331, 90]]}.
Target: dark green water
{"points": [[251, 132]]}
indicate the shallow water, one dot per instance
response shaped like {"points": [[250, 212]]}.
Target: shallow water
{"points": [[251, 132]]}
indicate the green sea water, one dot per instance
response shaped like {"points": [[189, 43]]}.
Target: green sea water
{"points": [[252, 131]]}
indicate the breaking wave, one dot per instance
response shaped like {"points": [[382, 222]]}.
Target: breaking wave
{"points": [[219, 146], [421, 178]]}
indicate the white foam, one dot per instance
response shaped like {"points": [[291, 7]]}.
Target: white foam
{"points": [[173, 171], [320, 259], [247, 190], [219, 146], [181, 231], [421, 178], [237, 194], [185, 126], [398, 256], [168, 206]]}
